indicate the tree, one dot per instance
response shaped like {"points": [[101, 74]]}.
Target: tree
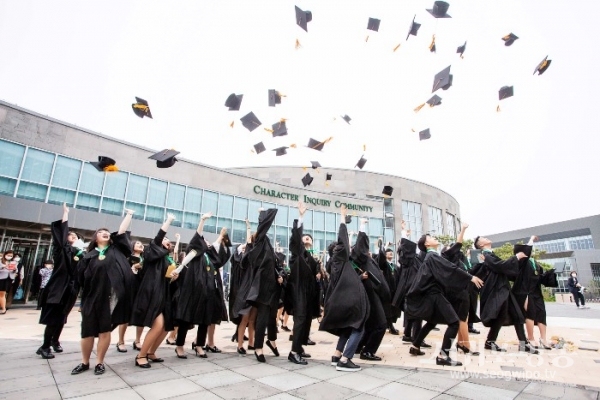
{"points": [[445, 239], [506, 251]]}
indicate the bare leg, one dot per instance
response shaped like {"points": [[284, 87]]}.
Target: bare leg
{"points": [[2, 301], [173, 334], [121, 342], [87, 345], [542, 329], [285, 319], [138, 335], [529, 326], [211, 335], [153, 334], [251, 324], [103, 343], [157, 342], [242, 330]]}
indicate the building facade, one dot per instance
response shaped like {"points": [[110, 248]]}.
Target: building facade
{"points": [[573, 244], [45, 162]]}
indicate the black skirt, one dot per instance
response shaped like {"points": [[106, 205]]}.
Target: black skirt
{"points": [[5, 284]]}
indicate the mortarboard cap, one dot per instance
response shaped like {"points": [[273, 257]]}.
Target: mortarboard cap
{"points": [[346, 118], [165, 158], [509, 39], [361, 163], [348, 219], [505, 92], [279, 129], [440, 9], [461, 49], [414, 28], [307, 180], [105, 164], [543, 66], [303, 18], [259, 147], [315, 164], [281, 151], [234, 101], [435, 100], [328, 177], [517, 248], [373, 24], [387, 190], [141, 108], [250, 121], [424, 135], [442, 79], [274, 97], [315, 144]]}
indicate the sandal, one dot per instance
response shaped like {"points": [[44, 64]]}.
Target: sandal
{"points": [[171, 343], [137, 364], [156, 360], [119, 349], [203, 355], [214, 349], [136, 347]]}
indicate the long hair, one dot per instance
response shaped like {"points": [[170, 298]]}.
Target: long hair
{"points": [[4, 260], [94, 242]]}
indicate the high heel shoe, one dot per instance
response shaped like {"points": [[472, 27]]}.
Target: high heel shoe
{"points": [[137, 364], [200, 355], [543, 346], [121, 350], [179, 355], [234, 337], [273, 349], [466, 350], [156, 360], [135, 346], [260, 357], [214, 349], [241, 351], [170, 343]]}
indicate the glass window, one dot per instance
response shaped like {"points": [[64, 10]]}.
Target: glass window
{"points": [[388, 205], [155, 214], [191, 220], [319, 220], [330, 224], [115, 185], [92, 180], [435, 221], [451, 225], [38, 166], [319, 241], [267, 205], [307, 221], [193, 200], [112, 206], [88, 202], [240, 208], [388, 234], [375, 226], [210, 203], [411, 214], [253, 207], [282, 215], [330, 237], [59, 196], [225, 206], [139, 209], [32, 191], [293, 214], [176, 196], [238, 234], [137, 188], [281, 235], [11, 155], [353, 225], [178, 217], [7, 186], [66, 173], [210, 225], [157, 193], [224, 223]]}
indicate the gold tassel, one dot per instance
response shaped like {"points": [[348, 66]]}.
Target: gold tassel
{"points": [[367, 38], [419, 107], [231, 124], [326, 183], [397, 47], [498, 108], [293, 145], [269, 130], [111, 168], [304, 169], [413, 129], [298, 45], [281, 95], [432, 45], [364, 147]]}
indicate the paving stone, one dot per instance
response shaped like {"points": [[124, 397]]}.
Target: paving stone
{"points": [[282, 362], [321, 372], [436, 381], [120, 394], [508, 384], [476, 392], [165, 389], [40, 393], [26, 382], [365, 396], [142, 376], [527, 396], [259, 371], [218, 378], [245, 390], [235, 361], [194, 368], [324, 390], [64, 376], [445, 396], [281, 396], [393, 390], [20, 372], [389, 373], [91, 386], [203, 395], [358, 381], [287, 381], [553, 391]]}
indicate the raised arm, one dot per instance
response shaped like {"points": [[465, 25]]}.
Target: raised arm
{"points": [[248, 232], [65, 216], [176, 248], [126, 221], [202, 221], [461, 234]]}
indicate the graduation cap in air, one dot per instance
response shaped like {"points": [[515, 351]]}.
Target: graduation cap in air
{"points": [[346, 118], [259, 147], [315, 164], [328, 178], [105, 164], [518, 248], [250, 121], [373, 24], [165, 158], [505, 92], [414, 28], [435, 100], [317, 145], [387, 190], [442, 79], [543, 66], [141, 108], [424, 135], [461, 49], [281, 151], [440, 9], [509, 39], [307, 180], [278, 129], [348, 219], [303, 18], [274, 97], [234, 101], [361, 163]]}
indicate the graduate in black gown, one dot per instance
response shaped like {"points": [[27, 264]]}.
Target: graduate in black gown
{"points": [[425, 298], [473, 295], [60, 294], [346, 302], [378, 294], [105, 277], [499, 307], [303, 291], [528, 292], [152, 305], [391, 273]]}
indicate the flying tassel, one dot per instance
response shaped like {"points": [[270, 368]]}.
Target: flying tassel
{"points": [[111, 168], [397, 47], [298, 45], [269, 130], [498, 108], [364, 147], [231, 124], [367, 38], [293, 145], [304, 169], [419, 107], [432, 45]]}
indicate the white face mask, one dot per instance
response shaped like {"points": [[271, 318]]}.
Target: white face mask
{"points": [[8, 258], [17, 259]]}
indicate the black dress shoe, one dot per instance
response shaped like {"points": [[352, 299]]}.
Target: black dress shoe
{"points": [[528, 348], [80, 368], [212, 349], [250, 347], [121, 350], [234, 337], [407, 339], [241, 351], [466, 350], [273, 349], [57, 347], [170, 343], [260, 357], [493, 347], [447, 361], [200, 355], [100, 369], [335, 360], [285, 328], [193, 345], [297, 359], [45, 353], [136, 347], [415, 351], [425, 345], [137, 364], [436, 329], [305, 355], [474, 331], [179, 355], [156, 359], [365, 355], [310, 342]]}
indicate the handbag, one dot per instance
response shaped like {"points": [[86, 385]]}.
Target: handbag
{"points": [[170, 269], [18, 294]]}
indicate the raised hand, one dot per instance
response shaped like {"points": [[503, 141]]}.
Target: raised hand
{"points": [[129, 211], [171, 217], [464, 226], [65, 208], [223, 232], [521, 255], [301, 208], [206, 216], [177, 236], [344, 212]]}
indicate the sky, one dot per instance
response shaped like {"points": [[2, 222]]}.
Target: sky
{"points": [[533, 162]]}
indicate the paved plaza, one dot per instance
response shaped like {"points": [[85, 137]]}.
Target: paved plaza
{"points": [[570, 373]]}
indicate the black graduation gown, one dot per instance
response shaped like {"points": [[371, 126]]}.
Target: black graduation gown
{"points": [[409, 267], [60, 293], [107, 298], [191, 293], [528, 288], [378, 294], [391, 274], [214, 283], [303, 291], [236, 274], [459, 299], [425, 298], [153, 297], [280, 267], [495, 295], [346, 302]]}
